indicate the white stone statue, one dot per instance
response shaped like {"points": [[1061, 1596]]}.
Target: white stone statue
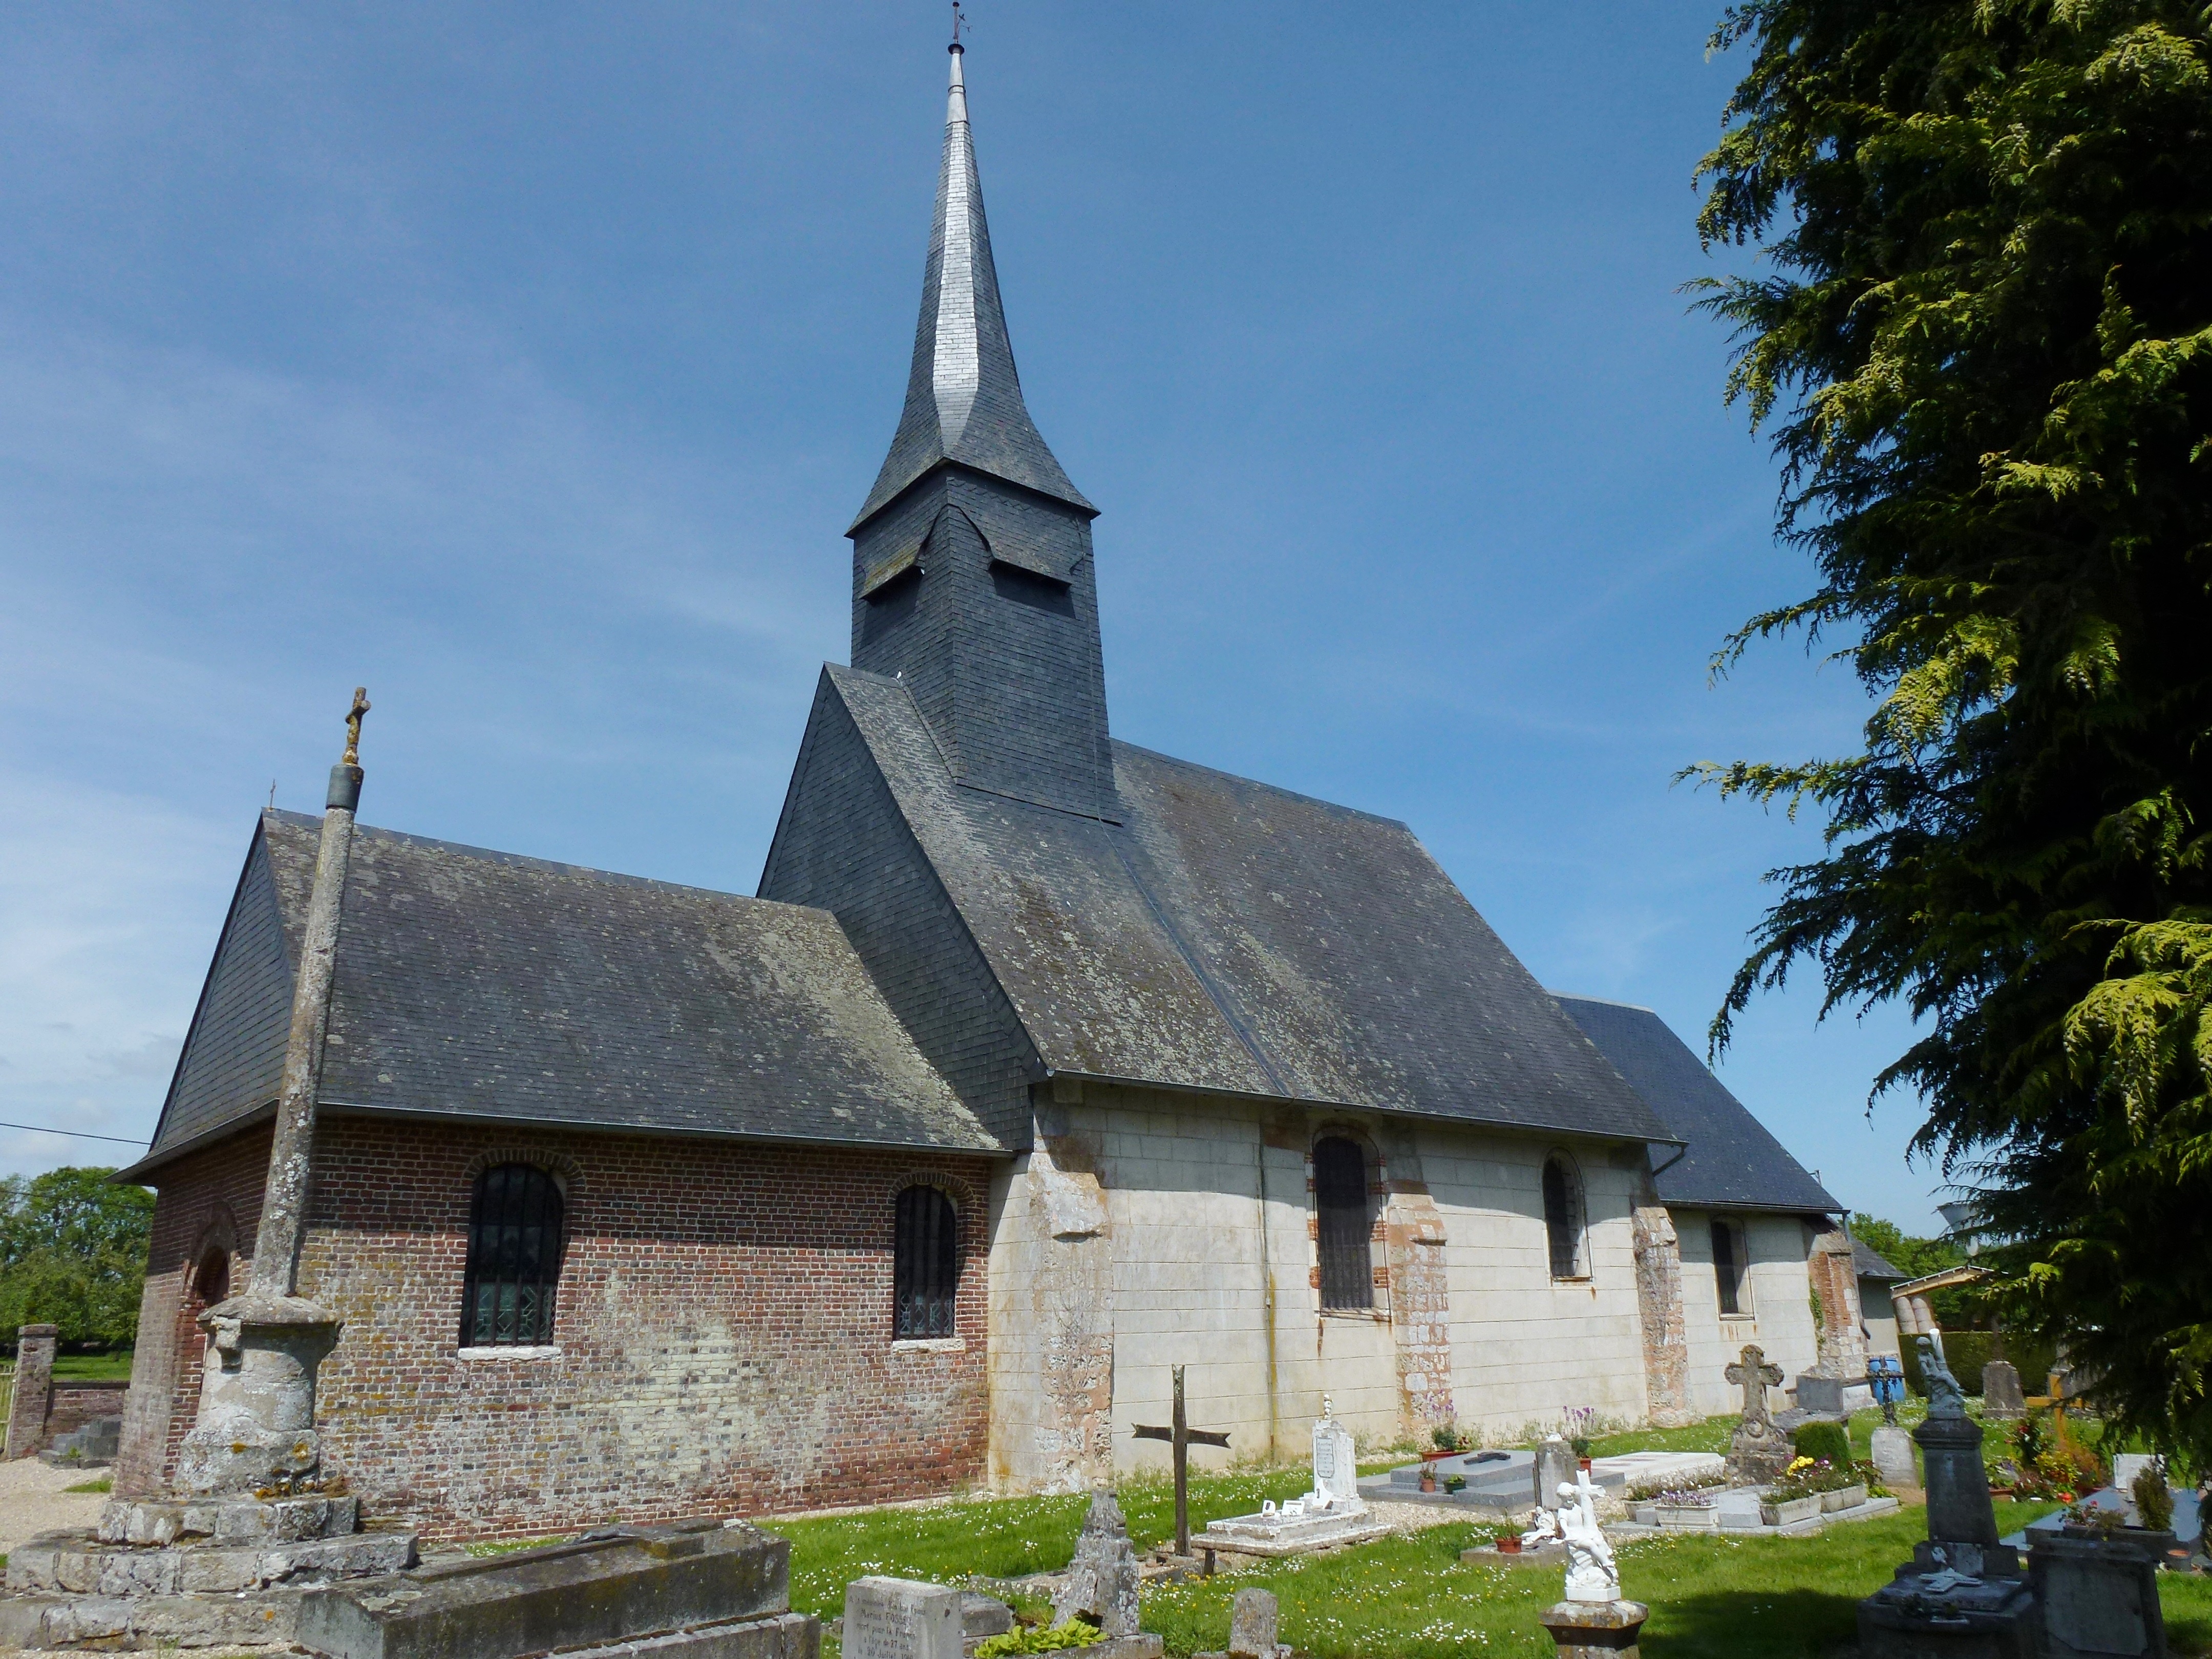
{"points": [[1543, 1528], [1592, 1573]]}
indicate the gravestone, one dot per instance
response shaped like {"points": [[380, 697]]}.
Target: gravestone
{"points": [[2126, 1465], [1330, 1515], [1556, 1466], [1253, 1622], [899, 1618], [1758, 1452], [1893, 1458], [2002, 1396], [2098, 1597], [1102, 1580], [1962, 1593], [1335, 1461], [1821, 1396]]}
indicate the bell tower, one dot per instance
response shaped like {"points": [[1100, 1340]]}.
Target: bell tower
{"points": [[971, 557]]}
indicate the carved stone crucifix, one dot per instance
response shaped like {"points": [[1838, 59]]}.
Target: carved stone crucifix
{"points": [[1753, 1372]]}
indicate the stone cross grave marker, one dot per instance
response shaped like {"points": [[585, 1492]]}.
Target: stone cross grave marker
{"points": [[899, 1618], [1756, 1374], [1758, 1452], [1181, 1437]]}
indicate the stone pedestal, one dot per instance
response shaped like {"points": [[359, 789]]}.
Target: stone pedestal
{"points": [[1892, 1459], [256, 1429], [901, 1618], [34, 1382], [2098, 1596], [1959, 1507], [1597, 1630], [2002, 1396]]}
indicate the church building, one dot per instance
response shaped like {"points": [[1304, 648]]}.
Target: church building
{"points": [[1040, 1064]]}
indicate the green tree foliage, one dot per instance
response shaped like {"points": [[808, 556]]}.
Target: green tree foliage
{"points": [[72, 1254], [1982, 336]]}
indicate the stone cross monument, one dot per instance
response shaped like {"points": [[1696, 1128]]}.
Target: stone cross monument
{"points": [[256, 1432], [1759, 1452]]}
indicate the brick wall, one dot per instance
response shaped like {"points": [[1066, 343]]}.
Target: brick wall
{"points": [[211, 1199], [723, 1322], [73, 1405]]}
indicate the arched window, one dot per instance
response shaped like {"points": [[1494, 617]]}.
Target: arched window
{"points": [[211, 1278], [1346, 1225], [925, 1263], [515, 1239], [1563, 1217], [1730, 1262]]}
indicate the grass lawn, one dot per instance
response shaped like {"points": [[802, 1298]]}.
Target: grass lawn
{"points": [[1410, 1596], [111, 1367]]}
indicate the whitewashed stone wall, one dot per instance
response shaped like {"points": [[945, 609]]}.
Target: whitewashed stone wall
{"points": [[1203, 1256], [1525, 1346], [1880, 1316], [1778, 1313]]}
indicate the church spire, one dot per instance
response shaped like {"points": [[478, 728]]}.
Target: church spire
{"points": [[963, 399]]}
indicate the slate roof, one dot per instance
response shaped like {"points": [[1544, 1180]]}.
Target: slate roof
{"points": [[963, 399], [1227, 935], [1867, 1265], [1732, 1161], [472, 983]]}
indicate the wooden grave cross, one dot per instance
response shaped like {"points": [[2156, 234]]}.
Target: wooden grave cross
{"points": [[1182, 1438]]}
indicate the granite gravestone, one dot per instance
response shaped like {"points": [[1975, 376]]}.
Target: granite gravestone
{"points": [[1962, 1593], [1102, 1580], [2098, 1596], [899, 1618], [1254, 1621], [1893, 1458], [1556, 1466], [2003, 1397]]}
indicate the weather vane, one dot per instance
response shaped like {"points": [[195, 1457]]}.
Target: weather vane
{"points": [[353, 725], [959, 22]]}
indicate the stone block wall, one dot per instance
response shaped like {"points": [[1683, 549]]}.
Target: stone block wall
{"points": [[1205, 1227], [1778, 1315], [722, 1339]]}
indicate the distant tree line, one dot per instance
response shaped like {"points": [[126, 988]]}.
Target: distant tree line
{"points": [[72, 1254]]}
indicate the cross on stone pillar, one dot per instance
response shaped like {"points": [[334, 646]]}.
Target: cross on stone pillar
{"points": [[1181, 1437], [1753, 1372]]}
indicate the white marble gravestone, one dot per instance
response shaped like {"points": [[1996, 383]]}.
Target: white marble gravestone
{"points": [[1335, 1465], [899, 1618], [1332, 1513]]}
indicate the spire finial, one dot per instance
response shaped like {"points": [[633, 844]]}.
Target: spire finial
{"points": [[959, 22], [353, 725]]}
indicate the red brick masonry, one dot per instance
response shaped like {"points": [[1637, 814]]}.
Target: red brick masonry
{"points": [[723, 1327]]}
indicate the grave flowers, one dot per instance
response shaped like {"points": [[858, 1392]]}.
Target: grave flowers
{"points": [[1578, 1420], [1040, 1638]]}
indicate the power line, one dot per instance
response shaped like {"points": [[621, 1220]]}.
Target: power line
{"points": [[41, 1129]]}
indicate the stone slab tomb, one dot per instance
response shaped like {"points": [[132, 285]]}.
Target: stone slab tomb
{"points": [[699, 1589]]}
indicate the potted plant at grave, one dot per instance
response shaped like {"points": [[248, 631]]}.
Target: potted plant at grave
{"points": [[1454, 1483], [1578, 1420], [1797, 1496], [1686, 1509]]}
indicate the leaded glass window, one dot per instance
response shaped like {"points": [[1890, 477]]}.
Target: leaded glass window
{"points": [[926, 1263], [1346, 1224], [514, 1258], [1563, 1217]]}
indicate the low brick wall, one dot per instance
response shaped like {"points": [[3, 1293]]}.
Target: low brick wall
{"points": [[74, 1404]]}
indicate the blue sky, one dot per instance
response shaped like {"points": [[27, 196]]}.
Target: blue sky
{"points": [[525, 362]]}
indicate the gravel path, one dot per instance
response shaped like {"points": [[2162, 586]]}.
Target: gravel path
{"points": [[33, 1500]]}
